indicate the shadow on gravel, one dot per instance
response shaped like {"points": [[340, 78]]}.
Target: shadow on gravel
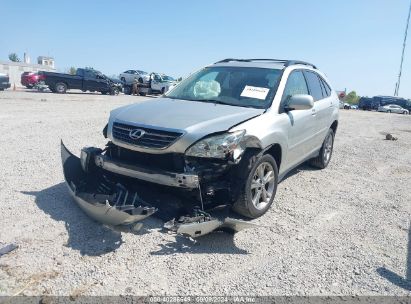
{"points": [[301, 168], [394, 278], [85, 235], [216, 242]]}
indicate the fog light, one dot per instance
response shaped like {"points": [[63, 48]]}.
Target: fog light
{"points": [[87, 158]]}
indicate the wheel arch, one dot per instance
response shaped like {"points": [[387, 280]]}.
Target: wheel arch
{"points": [[276, 152], [334, 126]]}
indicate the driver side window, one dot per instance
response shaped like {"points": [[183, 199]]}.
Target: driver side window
{"points": [[296, 84]]}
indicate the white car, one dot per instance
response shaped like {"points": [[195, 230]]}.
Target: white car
{"points": [[161, 83], [130, 75], [392, 108]]}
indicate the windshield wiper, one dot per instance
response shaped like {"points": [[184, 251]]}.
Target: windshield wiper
{"points": [[214, 101]]}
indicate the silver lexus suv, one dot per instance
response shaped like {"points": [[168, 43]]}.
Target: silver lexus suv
{"points": [[225, 136]]}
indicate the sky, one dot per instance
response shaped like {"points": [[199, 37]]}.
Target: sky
{"points": [[356, 43]]}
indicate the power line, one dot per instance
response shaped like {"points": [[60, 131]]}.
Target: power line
{"points": [[397, 85]]}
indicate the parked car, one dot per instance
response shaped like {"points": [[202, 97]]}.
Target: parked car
{"points": [[156, 84], [226, 135], [29, 79], [366, 103], [4, 82], [160, 83], [347, 106], [393, 109], [354, 107], [85, 80], [129, 76]]}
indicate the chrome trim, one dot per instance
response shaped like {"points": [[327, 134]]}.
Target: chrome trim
{"points": [[148, 133], [181, 180]]}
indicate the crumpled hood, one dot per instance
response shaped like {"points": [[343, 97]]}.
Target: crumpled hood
{"points": [[197, 119]]}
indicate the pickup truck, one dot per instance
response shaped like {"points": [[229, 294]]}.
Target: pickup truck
{"points": [[85, 80]]}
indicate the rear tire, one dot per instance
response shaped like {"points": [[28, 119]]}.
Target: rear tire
{"points": [[326, 151], [258, 192], [60, 88]]}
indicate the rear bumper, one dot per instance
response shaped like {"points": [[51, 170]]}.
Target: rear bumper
{"points": [[181, 180]]}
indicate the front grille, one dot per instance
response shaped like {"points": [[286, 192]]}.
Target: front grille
{"points": [[153, 138], [173, 162]]}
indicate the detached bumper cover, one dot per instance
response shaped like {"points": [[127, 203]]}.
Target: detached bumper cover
{"points": [[118, 208]]}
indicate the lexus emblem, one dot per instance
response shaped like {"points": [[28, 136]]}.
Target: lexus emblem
{"points": [[136, 133]]}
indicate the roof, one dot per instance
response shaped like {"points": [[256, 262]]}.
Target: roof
{"points": [[262, 63]]}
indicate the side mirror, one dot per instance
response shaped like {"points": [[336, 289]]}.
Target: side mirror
{"points": [[300, 102]]}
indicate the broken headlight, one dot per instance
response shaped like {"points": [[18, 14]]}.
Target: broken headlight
{"points": [[219, 146]]}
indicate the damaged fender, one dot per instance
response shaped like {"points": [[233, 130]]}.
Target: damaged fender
{"points": [[117, 208]]}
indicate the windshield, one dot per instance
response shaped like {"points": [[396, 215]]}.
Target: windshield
{"points": [[167, 78], [237, 86]]}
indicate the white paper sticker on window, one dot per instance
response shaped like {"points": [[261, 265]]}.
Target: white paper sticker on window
{"points": [[255, 92]]}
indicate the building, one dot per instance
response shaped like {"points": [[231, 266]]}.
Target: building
{"points": [[15, 69], [47, 61]]}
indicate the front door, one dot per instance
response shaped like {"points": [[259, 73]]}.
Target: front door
{"points": [[300, 122], [94, 81]]}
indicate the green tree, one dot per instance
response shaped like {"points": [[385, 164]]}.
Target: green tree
{"points": [[72, 71], [352, 98], [13, 57]]}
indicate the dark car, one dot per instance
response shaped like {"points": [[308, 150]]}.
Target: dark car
{"points": [[85, 80], [29, 79], [4, 82]]}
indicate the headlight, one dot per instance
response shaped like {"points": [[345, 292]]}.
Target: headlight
{"points": [[219, 146]]}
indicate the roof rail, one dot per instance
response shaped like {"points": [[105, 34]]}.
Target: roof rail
{"points": [[286, 62]]}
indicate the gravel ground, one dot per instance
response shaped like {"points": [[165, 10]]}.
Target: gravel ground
{"points": [[340, 231]]}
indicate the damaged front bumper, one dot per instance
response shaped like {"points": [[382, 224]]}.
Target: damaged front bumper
{"points": [[109, 192], [104, 204]]}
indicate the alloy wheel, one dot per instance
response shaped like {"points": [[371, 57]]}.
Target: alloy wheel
{"points": [[262, 185]]}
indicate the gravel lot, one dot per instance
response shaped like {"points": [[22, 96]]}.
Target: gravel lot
{"points": [[340, 231]]}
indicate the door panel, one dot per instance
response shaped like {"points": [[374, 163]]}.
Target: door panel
{"points": [[323, 108], [301, 122]]}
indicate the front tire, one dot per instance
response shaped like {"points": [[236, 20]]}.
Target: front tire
{"points": [[257, 195], [326, 151]]}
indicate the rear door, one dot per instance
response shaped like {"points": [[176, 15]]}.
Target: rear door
{"points": [[301, 122], [323, 107]]}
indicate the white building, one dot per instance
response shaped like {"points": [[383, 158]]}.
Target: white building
{"points": [[47, 61], [15, 69]]}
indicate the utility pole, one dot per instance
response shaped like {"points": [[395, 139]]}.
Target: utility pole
{"points": [[397, 85]]}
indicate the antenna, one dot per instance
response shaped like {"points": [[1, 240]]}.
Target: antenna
{"points": [[397, 85]]}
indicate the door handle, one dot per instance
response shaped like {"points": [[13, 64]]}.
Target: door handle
{"points": [[313, 112]]}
